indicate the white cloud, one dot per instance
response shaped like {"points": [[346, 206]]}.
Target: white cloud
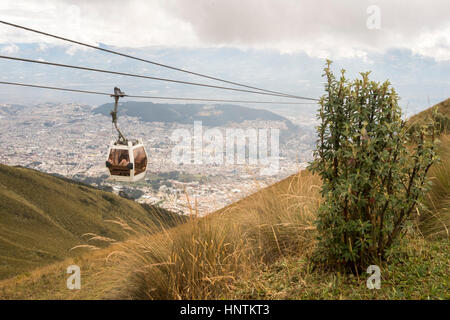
{"points": [[321, 28], [10, 49], [72, 49], [434, 44], [42, 47]]}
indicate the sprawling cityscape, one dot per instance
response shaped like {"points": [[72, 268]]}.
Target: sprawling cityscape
{"points": [[71, 140]]}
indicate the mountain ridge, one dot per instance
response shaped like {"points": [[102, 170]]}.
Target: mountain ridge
{"points": [[210, 115]]}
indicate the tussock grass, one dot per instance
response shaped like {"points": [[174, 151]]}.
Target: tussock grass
{"points": [[218, 256], [258, 247], [205, 257], [435, 218]]}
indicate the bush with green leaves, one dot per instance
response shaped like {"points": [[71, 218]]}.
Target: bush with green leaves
{"points": [[374, 172]]}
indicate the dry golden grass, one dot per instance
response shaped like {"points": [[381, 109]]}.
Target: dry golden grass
{"points": [[210, 257], [217, 256], [204, 258], [49, 282], [435, 218], [422, 117]]}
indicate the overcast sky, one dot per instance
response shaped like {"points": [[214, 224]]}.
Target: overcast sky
{"points": [[276, 44]]}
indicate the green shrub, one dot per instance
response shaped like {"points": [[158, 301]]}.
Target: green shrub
{"points": [[373, 171]]}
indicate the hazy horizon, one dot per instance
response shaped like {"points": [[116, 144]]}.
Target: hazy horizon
{"points": [[280, 46]]}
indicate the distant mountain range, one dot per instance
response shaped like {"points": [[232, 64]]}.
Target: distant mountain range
{"points": [[210, 115]]}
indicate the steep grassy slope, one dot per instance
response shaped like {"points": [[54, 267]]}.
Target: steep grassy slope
{"points": [[259, 247], [268, 234], [435, 218], [444, 118], [42, 217], [220, 248], [418, 268]]}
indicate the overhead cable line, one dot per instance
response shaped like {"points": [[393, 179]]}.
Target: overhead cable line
{"points": [[146, 77], [153, 62], [52, 88], [147, 97]]}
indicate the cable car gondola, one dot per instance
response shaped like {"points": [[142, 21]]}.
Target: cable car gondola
{"points": [[127, 159]]}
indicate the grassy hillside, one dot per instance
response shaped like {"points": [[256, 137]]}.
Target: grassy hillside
{"points": [[222, 248], [259, 247], [42, 217], [444, 117], [435, 217]]}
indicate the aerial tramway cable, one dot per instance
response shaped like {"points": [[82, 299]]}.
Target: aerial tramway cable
{"points": [[152, 97], [143, 76], [152, 62], [127, 159]]}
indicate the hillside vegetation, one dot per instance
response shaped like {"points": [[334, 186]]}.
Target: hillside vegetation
{"points": [[42, 217], [257, 248], [443, 117], [202, 258], [435, 216]]}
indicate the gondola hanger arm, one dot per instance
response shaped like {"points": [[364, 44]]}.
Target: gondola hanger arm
{"points": [[117, 95]]}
